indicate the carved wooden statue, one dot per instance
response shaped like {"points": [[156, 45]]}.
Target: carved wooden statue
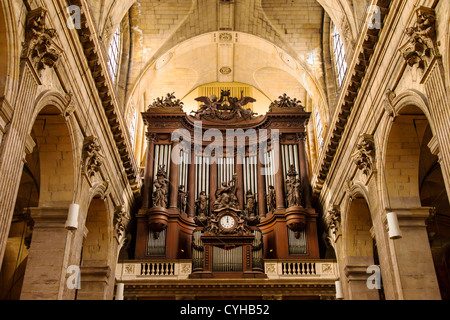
{"points": [[202, 205], [226, 195], [251, 204], [294, 188], [161, 188], [182, 198], [271, 199]]}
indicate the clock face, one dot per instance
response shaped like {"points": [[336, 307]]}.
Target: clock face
{"points": [[227, 222]]}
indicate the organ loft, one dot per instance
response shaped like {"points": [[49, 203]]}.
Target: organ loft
{"points": [[226, 190]]}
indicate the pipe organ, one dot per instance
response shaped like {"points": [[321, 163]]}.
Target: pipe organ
{"points": [[229, 210]]}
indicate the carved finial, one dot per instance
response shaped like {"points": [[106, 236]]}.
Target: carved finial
{"points": [[285, 101], [169, 101]]}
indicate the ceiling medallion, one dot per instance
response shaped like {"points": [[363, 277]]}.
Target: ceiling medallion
{"points": [[225, 70], [226, 37]]}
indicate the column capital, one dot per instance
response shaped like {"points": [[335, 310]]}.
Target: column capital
{"points": [[411, 217], [49, 216]]}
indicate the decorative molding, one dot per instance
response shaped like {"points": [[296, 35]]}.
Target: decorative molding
{"points": [[225, 70], [70, 105], [389, 103]]}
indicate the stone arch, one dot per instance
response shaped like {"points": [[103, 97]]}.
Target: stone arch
{"points": [[403, 147], [56, 144], [401, 150], [98, 250], [358, 250], [50, 145]]}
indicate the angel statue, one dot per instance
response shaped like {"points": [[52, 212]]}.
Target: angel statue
{"points": [[208, 108], [238, 106]]}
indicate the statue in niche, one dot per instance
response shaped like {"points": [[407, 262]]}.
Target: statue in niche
{"points": [[294, 188], [271, 199], [251, 204], [202, 205], [182, 198], [226, 195], [161, 188]]}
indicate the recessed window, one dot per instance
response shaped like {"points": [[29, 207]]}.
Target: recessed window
{"points": [[339, 56], [319, 129], [114, 55]]}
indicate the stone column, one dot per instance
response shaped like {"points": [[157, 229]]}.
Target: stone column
{"points": [[12, 152], [413, 256], [45, 275], [95, 281], [356, 273]]}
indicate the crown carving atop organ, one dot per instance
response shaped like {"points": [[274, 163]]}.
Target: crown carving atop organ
{"points": [[169, 101], [285, 102], [225, 108]]}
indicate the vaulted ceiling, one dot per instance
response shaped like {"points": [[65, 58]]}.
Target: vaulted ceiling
{"points": [[273, 45]]}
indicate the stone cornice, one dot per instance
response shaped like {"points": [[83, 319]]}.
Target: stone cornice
{"points": [[355, 75], [97, 64]]}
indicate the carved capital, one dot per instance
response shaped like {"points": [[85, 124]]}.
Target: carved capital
{"points": [[92, 156], [364, 157], [39, 45], [421, 44], [333, 220], [121, 220]]}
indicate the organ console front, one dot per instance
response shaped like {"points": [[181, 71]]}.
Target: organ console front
{"points": [[225, 187]]}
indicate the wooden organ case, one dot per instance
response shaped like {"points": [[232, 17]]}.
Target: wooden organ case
{"points": [[226, 188]]}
